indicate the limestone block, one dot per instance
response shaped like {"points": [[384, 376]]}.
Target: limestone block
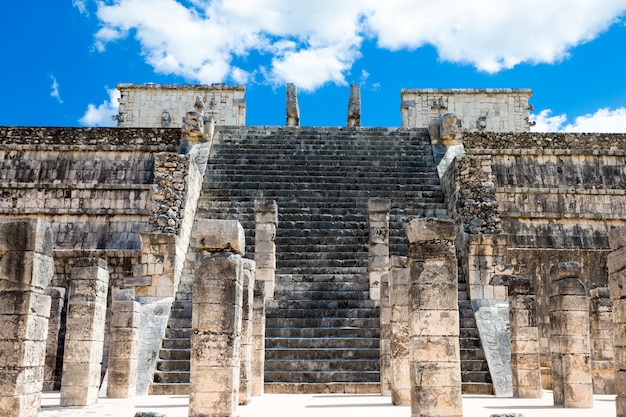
{"points": [[217, 318], [265, 232], [431, 322], [215, 350], [215, 291], [616, 260], [25, 271], [437, 401], [29, 234], [617, 238], [220, 236], [430, 230], [265, 211], [435, 349]]}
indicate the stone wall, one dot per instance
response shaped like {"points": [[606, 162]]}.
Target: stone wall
{"points": [[557, 196], [493, 110], [165, 105]]}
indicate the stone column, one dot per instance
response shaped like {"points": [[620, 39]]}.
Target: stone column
{"points": [[354, 106], [216, 319], [293, 110], [616, 265], [569, 338], [400, 354], [602, 355], [245, 377], [385, 337], [123, 344], [84, 334], [434, 319], [378, 210], [266, 221], [52, 372], [26, 268], [258, 339], [525, 349]]}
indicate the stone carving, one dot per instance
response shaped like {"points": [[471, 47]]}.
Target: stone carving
{"points": [[193, 127], [434, 319], [293, 110], [450, 129], [245, 376], [378, 210], [481, 123], [354, 106], [258, 338], [166, 119], [266, 221], [386, 373], [616, 265], [569, 338], [400, 342], [602, 353], [440, 104]]}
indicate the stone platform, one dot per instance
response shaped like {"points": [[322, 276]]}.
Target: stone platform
{"points": [[329, 405]]}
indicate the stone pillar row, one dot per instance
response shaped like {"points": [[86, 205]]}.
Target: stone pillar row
{"points": [[26, 268], [616, 265]]}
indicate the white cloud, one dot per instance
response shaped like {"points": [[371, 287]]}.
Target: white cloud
{"points": [[81, 5], [55, 89], [101, 115], [602, 121], [312, 43]]}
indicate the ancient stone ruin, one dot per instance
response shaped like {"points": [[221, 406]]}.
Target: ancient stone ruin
{"points": [[185, 252]]}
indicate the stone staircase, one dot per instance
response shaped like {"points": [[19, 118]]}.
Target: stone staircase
{"points": [[475, 375], [322, 330]]}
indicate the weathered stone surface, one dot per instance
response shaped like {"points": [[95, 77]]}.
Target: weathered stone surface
{"points": [[569, 338], [84, 337], [293, 110], [354, 106], [220, 236]]}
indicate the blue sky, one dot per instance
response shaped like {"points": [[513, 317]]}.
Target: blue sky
{"points": [[62, 59]]}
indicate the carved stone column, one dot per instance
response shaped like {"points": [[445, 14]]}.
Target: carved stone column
{"points": [[378, 210], [569, 338], [293, 110], [124, 344], [400, 354], [602, 354], [525, 349], [266, 221], [258, 339], [616, 265], [385, 337], [216, 320], [26, 268], [84, 335], [245, 377], [354, 106], [434, 319], [52, 372]]}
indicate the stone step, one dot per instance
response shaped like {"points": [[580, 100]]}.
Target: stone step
{"points": [[171, 377], [174, 354], [313, 304], [322, 323], [320, 365], [176, 343], [321, 376], [351, 313], [472, 354], [321, 342], [474, 365], [173, 365], [475, 376], [327, 388], [321, 295], [470, 343], [178, 388], [477, 388], [322, 354], [330, 333]]}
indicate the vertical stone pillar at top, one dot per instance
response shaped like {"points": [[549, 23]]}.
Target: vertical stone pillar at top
{"points": [[293, 110], [569, 338], [216, 319], [385, 337], [400, 342], [616, 265], [354, 106], [245, 377], [525, 349], [123, 344], [266, 221], [258, 339], [84, 334], [378, 254], [434, 319], [52, 372], [602, 354], [26, 268]]}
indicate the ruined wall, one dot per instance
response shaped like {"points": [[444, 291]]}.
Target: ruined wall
{"points": [[165, 105], [558, 195], [494, 110]]}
